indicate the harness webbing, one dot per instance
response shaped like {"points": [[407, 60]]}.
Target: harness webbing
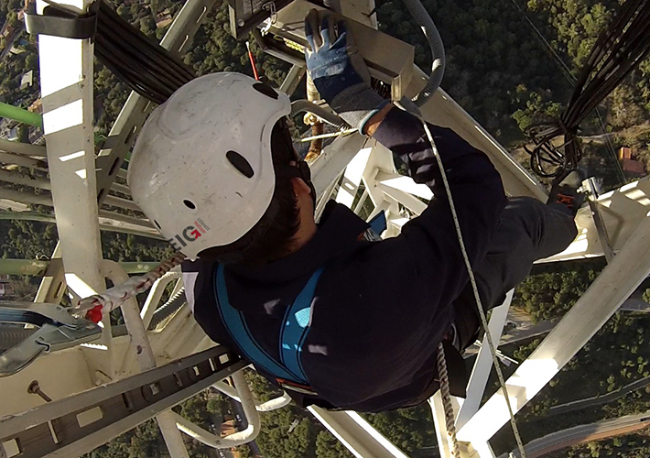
{"points": [[296, 327], [292, 335]]}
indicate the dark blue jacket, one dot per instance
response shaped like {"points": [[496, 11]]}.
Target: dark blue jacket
{"points": [[380, 308]]}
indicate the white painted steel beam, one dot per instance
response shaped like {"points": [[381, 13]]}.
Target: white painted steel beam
{"points": [[358, 436], [334, 159], [52, 287], [117, 407], [25, 149], [589, 185], [9, 158], [483, 365], [440, 425], [66, 69], [621, 210], [142, 352], [155, 294], [272, 404], [606, 294], [352, 177], [59, 374], [405, 184]]}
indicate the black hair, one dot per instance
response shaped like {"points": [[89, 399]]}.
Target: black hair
{"points": [[271, 238]]}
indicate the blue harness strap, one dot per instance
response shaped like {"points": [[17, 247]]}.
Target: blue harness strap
{"points": [[296, 327], [292, 335]]}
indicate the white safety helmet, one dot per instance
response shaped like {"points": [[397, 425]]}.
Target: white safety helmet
{"points": [[201, 169]]}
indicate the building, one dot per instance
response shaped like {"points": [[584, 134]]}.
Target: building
{"points": [[36, 136], [27, 80], [631, 166], [6, 289], [625, 153]]}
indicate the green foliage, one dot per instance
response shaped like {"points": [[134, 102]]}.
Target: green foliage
{"points": [[327, 446], [215, 50], [146, 441], [142, 441], [26, 239], [291, 432], [552, 289], [409, 429], [524, 351], [646, 295], [491, 54], [508, 78]]}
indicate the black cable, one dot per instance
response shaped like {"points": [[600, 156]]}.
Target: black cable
{"points": [[146, 54], [617, 52], [145, 66]]}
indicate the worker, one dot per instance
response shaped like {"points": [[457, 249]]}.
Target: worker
{"points": [[215, 170]]}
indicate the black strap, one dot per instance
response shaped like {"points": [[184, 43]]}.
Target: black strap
{"points": [[59, 22]]}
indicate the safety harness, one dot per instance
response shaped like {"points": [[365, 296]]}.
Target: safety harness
{"points": [[288, 371]]}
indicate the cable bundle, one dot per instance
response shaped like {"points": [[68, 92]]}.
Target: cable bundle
{"points": [[618, 51], [145, 66]]}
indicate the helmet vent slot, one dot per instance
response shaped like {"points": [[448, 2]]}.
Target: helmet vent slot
{"points": [[266, 90], [240, 163], [189, 204]]}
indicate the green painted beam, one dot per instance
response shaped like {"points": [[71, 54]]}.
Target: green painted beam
{"points": [[38, 268], [20, 115], [33, 216]]}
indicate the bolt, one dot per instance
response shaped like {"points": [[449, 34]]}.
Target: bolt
{"points": [[33, 388]]}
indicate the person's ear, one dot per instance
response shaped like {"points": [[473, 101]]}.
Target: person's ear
{"points": [[300, 187]]}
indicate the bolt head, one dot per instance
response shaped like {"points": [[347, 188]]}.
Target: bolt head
{"points": [[33, 387]]}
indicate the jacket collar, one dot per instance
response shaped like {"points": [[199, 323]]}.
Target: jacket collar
{"points": [[338, 230]]}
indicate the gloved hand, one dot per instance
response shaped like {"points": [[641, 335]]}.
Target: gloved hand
{"points": [[338, 71]]}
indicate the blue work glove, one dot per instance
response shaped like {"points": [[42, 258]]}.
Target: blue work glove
{"points": [[338, 71]]}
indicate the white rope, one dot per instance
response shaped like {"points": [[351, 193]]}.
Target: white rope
{"points": [[450, 417], [116, 296], [472, 280], [330, 135]]}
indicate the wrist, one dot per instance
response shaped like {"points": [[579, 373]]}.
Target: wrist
{"points": [[358, 104], [373, 123]]}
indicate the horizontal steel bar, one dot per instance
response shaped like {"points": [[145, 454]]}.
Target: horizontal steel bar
{"points": [[16, 177], [105, 223], [10, 158], [26, 149], [46, 199], [37, 268]]}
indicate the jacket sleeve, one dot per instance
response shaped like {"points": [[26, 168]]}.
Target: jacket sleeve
{"points": [[476, 190]]}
